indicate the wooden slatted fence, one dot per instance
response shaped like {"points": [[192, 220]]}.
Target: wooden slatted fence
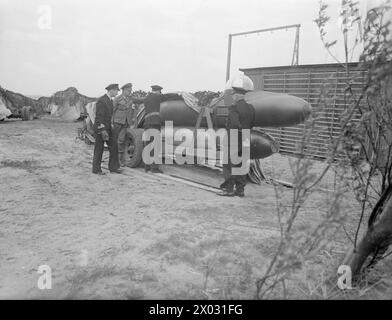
{"points": [[323, 86]]}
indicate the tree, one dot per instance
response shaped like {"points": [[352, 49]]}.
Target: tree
{"points": [[372, 166], [360, 157]]}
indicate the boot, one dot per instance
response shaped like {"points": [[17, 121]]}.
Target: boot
{"points": [[239, 192], [121, 158], [228, 190], [224, 185], [116, 171], [226, 193], [156, 169]]}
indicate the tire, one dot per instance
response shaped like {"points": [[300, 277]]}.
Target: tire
{"points": [[133, 147]]}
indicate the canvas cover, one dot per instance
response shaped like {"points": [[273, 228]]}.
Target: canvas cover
{"points": [[4, 111], [66, 112]]}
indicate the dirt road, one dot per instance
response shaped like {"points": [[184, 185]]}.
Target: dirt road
{"points": [[134, 236]]}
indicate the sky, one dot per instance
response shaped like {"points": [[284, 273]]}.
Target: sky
{"points": [[49, 45]]}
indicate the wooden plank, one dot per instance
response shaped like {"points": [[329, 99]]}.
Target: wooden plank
{"points": [[311, 142], [301, 130], [313, 92], [308, 146], [318, 75], [307, 83], [357, 86], [188, 182], [314, 83], [313, 139], [355, 81], [308, 151]]}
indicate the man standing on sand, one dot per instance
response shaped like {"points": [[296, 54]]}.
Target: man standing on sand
{"points": [[241, 116], [103, 131], [152, 119], [123, 117]]}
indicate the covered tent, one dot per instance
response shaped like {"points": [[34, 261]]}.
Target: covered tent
{"points": [[15, 102], [68, 105], [4, 111]]}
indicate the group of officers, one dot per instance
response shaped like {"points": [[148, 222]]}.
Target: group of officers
{"points": [[116, 113]]}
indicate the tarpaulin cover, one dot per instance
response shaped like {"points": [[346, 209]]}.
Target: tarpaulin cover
{"points": [[4, 112], [67, 112], [90, 109]]}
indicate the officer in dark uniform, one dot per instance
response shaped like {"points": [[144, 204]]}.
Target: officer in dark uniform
{"points": [[152, 119], [241, 116], [103, 131], [123, 117]]}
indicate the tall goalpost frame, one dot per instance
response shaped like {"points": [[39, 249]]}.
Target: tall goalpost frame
{"points": [[294, 59]]}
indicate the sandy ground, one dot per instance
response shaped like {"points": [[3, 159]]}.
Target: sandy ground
{"points": [[133, 236]]}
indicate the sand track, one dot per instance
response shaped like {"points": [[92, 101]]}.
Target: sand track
{"points": [[134, 236]]}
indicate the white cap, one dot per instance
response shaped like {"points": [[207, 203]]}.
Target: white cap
{"points": [[240, 81]]}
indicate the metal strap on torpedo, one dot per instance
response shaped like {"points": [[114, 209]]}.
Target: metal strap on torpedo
{"points": [[152, 114]]}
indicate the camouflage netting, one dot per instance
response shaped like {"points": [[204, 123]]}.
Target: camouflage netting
{"points": [[205, 97], [62, 102], [16, 101], [68, 104], [70, 96]]}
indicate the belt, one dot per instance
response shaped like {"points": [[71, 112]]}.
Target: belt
{"points": [[152, 114]]}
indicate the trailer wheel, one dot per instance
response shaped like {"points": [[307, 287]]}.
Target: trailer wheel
{"points": [[133, 147]]}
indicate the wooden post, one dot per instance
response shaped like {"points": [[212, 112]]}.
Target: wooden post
{"points": [[228, 58]]}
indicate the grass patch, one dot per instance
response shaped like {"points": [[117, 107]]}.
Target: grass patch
{"points": [[107, 282]]}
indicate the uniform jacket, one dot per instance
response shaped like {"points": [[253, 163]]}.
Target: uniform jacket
{"points": [[103, 113], [152, 107], [241, 115], [123, 110]]}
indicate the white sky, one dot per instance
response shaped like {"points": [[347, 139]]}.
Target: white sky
{"points": [[179, 44]]}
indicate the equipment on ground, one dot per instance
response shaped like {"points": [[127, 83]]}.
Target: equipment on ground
{"points": [[271, 110]]}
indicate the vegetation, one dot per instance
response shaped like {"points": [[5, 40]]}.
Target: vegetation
{"points": [[360, 158]]}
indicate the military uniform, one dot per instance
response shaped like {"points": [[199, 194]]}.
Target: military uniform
{"points": [[241, 116], [103, 117], [152, 119], [123, 118]]}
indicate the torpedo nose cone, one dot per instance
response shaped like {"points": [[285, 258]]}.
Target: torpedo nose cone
{"points": [[262, 144]]}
